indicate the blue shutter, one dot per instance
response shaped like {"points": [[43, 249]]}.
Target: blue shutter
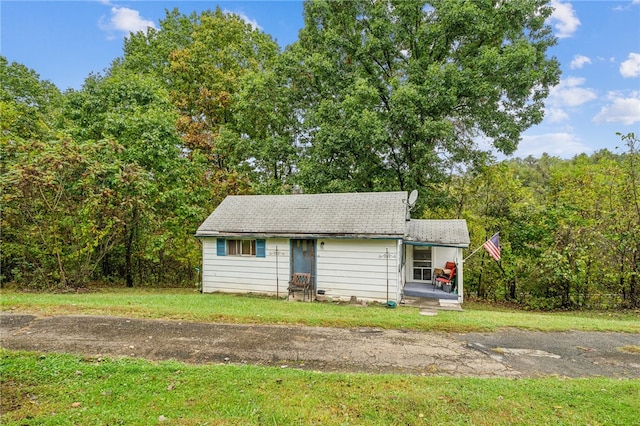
{"points": [[221, 247], [261, 248]]}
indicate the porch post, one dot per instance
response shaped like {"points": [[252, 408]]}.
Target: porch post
{"points": [[460, 275], [400, 279]]}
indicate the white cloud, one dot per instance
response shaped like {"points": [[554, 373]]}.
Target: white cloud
{"points": [[555, 115], [561, 144], [625, 110], [564, 19], [611, 59], [569, 93], [124, 20], [625, 7], [631, 67], [579, 61]]}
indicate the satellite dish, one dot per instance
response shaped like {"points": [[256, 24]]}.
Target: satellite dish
{"points": [[413, 197]]}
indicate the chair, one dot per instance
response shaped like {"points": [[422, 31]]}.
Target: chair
{"points": [[447, 279], [300, 282]]}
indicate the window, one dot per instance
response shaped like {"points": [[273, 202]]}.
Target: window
{"points": [[255, 248], [422, 263], [241, 247]]}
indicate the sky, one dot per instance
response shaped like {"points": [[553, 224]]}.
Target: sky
{"points": [[598, 49]]}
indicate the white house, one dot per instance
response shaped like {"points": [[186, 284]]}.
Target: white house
{"points": [[352, 244]]}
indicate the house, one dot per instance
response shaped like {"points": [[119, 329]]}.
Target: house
{"points": [[351, 244]]}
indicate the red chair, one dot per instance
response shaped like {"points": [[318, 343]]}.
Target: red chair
{"points": [[445, 279]]}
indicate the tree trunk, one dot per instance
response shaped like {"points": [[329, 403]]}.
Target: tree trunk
{"points": [[482, 294], [127, 263], [512, 289], [130, 231]]}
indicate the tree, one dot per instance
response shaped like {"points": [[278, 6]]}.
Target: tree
{"points": [[205, 60], [265, 120], [28, 105], [569, 228], [61, 210], [160, 200], [625, 230], [393, 94], [495, 200], [27, 114]]}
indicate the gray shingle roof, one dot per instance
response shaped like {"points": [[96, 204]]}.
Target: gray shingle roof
{"points": [[366, 215], [449, 232]]}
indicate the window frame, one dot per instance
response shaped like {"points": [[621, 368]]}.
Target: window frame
{"points": [[423, 265], [241, 247]]}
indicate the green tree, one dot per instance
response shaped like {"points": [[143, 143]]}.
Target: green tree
{"points": [[570, 241], [61, 210], [497, 201], [624, 230], [393, 94], [148, 51], [28, 105], [204, 60], [161, 201], [265, 120], [27, 114]]}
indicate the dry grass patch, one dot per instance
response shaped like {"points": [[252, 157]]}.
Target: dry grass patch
{"points": [[630, 349]]}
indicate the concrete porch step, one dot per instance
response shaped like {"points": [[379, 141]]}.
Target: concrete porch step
{"points": [[434, 304]]}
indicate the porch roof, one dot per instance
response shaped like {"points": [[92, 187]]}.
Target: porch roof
{"points": [[437, 232]]}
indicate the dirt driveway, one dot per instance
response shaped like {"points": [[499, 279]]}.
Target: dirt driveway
{"points": [[511, 353]]}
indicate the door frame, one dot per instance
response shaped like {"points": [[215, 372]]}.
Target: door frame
{"points": [[314, 259], [413, 260]]}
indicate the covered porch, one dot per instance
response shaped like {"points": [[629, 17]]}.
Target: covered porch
{"points": [[427, 291], [432, 259]]}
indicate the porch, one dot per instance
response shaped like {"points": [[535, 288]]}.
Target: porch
{"points": [[427, 291]]}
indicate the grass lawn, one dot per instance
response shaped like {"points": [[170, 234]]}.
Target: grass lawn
{"points": [[190, 305], [58, 389]]}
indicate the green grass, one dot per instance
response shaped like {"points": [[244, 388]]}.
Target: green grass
{"points": [[56, 389], [192, 306]]}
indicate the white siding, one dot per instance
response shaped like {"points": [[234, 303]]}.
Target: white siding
{"points": [[244, 274], [344, 268], [358, 268]]}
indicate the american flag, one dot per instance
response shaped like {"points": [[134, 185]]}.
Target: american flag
{"points": [[492, 246]]}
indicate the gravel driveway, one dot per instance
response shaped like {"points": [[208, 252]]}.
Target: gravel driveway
{"points": [[510, 353]]}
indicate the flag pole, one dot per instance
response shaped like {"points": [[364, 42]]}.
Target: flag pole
{"points": [[479, 247]]}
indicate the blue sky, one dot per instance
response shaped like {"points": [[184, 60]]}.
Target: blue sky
{"points": [[598, 48]]}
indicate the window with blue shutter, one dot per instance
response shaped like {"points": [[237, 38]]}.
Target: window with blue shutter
{"points": [[261, 248], [221, 247]]}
